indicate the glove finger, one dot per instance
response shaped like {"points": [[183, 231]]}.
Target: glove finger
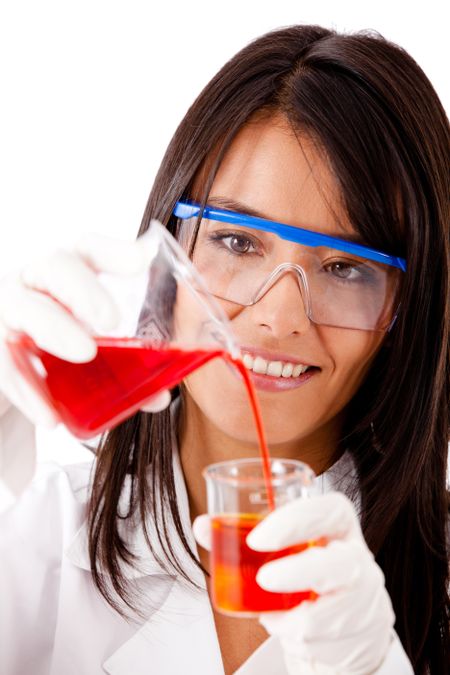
{"points": [[51, 327], [70, 281], [330, 516], [325, 654], [201, 528], [158, 402], [331, 624], [327, 615], [320, 569], [105, 254]]}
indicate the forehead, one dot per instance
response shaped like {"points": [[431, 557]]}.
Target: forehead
{"points": [[282, 176]]}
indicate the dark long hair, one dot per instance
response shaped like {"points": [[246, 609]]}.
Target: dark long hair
{"points": [[372, 110]]}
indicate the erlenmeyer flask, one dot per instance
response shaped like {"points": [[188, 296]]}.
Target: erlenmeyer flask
{"points": [[170, 325]]}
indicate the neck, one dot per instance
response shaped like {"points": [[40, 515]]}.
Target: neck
{"points": [[202, 443]]}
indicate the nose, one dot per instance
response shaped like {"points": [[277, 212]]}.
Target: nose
{"points": [[282, 309]]}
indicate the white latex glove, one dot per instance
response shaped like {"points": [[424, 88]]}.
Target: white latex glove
{"points": [[349, 628], [59, 324]]}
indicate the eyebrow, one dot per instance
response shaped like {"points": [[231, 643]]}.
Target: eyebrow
{"points": [[234, 205]]}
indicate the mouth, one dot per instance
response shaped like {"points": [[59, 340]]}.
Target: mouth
{"points": [[276, 373]]}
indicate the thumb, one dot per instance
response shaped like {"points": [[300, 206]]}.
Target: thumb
{"points": [[158, 402], [201, 528]]}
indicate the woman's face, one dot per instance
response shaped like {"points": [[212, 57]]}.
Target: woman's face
{"points": [[269, 171]]}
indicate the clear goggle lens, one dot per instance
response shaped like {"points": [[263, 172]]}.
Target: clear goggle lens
{"points": [[338, 288]]}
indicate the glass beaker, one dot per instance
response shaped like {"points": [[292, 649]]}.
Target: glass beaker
{"points": [[170, 325], [237, 501]]}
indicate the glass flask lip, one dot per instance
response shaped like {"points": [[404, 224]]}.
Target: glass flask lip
{"points": [[156, 235]]}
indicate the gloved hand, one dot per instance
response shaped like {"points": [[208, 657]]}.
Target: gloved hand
{"points": [[348, 629], [54, 301]]}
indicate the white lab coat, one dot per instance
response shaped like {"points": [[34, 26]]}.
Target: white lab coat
{"points": [[53, 621]]}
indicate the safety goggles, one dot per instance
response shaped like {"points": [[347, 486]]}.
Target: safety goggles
{"points": [[342, 283]]}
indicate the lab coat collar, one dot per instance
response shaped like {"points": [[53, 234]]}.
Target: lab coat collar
{"points": [[180, 636], [132, 532]]}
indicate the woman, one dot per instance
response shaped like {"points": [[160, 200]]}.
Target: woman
{"points": [[338, 135]]}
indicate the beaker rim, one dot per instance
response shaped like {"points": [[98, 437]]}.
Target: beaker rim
{"points": [[228, 471]]}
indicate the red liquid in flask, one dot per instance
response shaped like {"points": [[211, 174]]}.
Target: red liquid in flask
{"points": [[94, 396]]}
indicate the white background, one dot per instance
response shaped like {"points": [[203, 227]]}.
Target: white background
{"points": [[92, 91]]}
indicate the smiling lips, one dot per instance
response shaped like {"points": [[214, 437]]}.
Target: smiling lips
{"points": [[275, 368], [277, 375]]}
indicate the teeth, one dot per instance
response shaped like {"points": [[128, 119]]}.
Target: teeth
{"points": [[260, 365], [287, 370], [274, 368], [248, 361]]}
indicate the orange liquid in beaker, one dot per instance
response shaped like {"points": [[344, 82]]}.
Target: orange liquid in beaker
{"points": [[234, 567]]}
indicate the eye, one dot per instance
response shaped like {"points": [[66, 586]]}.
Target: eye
{"points": [[239, 243], [351, 271], [347, 271], [234, 242]]}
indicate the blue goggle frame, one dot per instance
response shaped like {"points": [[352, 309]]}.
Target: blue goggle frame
{"points": [[190, 209]]}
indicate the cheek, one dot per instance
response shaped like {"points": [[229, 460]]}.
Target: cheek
{"points": [[351, 354]]}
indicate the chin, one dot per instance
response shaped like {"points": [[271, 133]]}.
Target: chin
{"points": [[238, 424], [219, 400]]}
